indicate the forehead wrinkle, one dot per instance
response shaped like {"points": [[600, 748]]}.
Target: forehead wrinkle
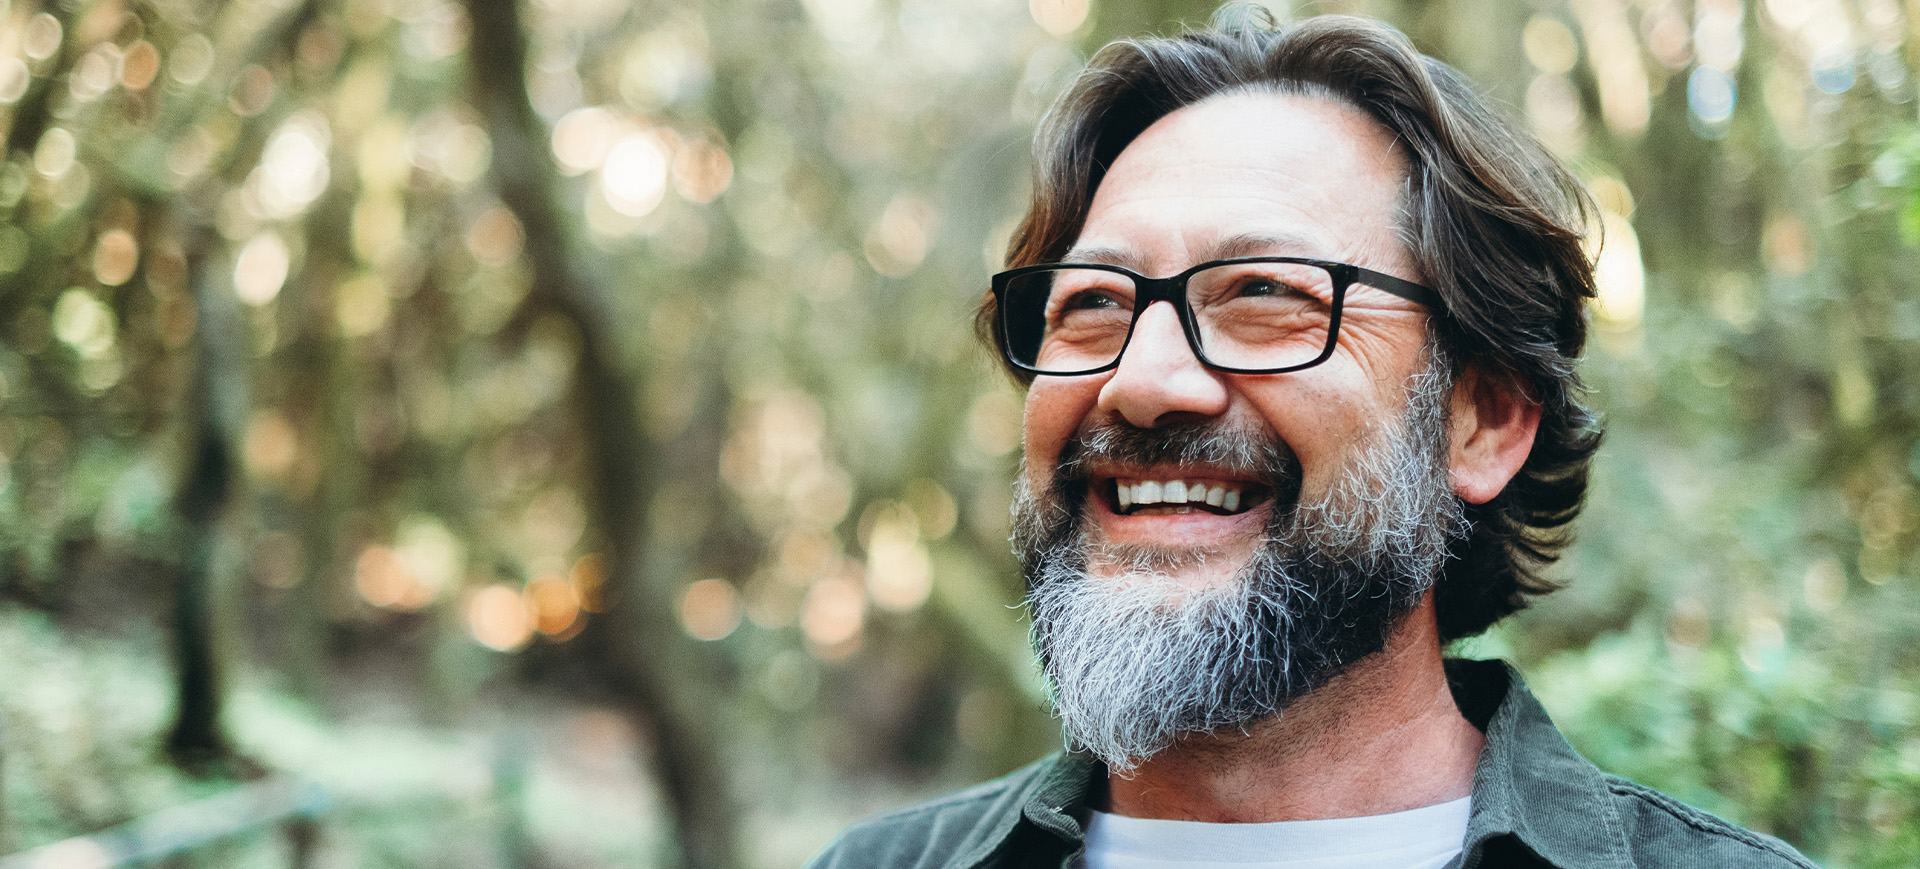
{"points": [[1262, 243], [1250, 243]]}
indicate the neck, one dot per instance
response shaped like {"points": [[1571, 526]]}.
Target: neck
{"points": [[1383, 736]]}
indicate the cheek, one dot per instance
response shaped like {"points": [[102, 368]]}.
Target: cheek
{"points": [[1319, 421], [1055, 409]]}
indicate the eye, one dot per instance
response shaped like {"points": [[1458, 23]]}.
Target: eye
{"points": [[1256, 287], [1089, 301], [1267, 287]]}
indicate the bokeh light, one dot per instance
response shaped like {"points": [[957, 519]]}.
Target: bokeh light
{"points": [[899, 571], [448, 144], [1717, 38], [900, 239], [98, 71], [702, 170], [710, 609], [115, 256], [589, 578], [1549, 45], [582, 138], [85, 323], [361, 305], [496, 237], [434, 556], [1620, 275], [634, 175], [261, 268], [379, 227], [54, 156], [192, 59], [498, 618], [271, 445], [1711, 94], [140, 66], [253, 90], [832, 617], [14, 78], [554, 603], [41, 37], [382, 579], [1058, 17], [425, 562], [294, 169]]}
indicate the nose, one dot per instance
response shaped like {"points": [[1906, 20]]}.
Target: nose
{"points": [[1159, 380]]}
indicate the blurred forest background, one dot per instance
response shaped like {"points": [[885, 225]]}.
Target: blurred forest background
{"points": [[550, 434]]}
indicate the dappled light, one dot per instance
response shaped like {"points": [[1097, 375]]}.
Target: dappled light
{"points": [[261, 268], [499, 618], [710, 609]]}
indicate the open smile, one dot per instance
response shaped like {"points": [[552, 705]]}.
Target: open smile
{"points": [[1148, 494], [1134, 497], [1178, 507]]}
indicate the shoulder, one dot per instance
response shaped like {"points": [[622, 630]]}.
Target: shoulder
{"points": [[1536, 797], [938, 832], [1666, 832]]}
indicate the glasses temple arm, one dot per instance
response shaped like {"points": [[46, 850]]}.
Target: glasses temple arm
{"points": [[1408, 290]]}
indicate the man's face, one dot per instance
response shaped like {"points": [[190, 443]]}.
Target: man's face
{"points": [[1238, 175], [1173, 618]]}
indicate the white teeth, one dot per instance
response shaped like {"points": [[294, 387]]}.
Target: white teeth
{"points": [[1148, 492]]}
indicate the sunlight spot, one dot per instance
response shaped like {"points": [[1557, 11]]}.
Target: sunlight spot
{"points": [[634, 177], [498, 618], [1058, 17], [710, 609], [261, 268]]}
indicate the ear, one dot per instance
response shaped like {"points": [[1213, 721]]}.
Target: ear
{"points": [[1490, 434]]}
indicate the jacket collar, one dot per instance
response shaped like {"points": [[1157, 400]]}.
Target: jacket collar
{"points": [[1530, 789]]}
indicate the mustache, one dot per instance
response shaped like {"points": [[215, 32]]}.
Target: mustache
{"points": [[1241, 449]]}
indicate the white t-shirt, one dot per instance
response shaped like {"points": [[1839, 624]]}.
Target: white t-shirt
{"points": [[1424, 838]]}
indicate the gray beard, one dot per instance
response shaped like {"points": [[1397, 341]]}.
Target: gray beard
{"points": [[1137, 660]]}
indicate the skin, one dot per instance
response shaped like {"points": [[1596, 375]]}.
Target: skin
{"points": [[1260, 173]]}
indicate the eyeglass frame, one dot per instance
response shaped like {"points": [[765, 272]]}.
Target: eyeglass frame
{"points": [[1173, 290]]}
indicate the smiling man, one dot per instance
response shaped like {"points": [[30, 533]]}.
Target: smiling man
{"points": [[1297, 316]]}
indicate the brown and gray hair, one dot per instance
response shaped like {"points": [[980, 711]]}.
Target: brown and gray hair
{"points": [[1493, 220]]}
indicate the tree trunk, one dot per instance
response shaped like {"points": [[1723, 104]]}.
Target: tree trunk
{"points": [[645, 658], [216, 401]]}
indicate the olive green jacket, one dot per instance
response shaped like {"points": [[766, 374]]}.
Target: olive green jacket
{"points": [[1536, 803]]}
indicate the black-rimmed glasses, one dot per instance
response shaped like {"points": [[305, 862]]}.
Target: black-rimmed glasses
{"points": [[1250, 315]]}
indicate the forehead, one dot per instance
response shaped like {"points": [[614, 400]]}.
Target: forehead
{"points": [[1251, 172]]}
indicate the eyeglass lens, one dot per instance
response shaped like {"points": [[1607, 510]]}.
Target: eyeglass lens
{"points": [[1249, 315]]}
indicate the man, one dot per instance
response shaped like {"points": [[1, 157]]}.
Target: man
{"points": [[1298, 316]]}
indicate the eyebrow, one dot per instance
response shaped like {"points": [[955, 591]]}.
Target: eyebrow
{"points": [[1267, 243], [1111, 256], [1237, 245]]}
